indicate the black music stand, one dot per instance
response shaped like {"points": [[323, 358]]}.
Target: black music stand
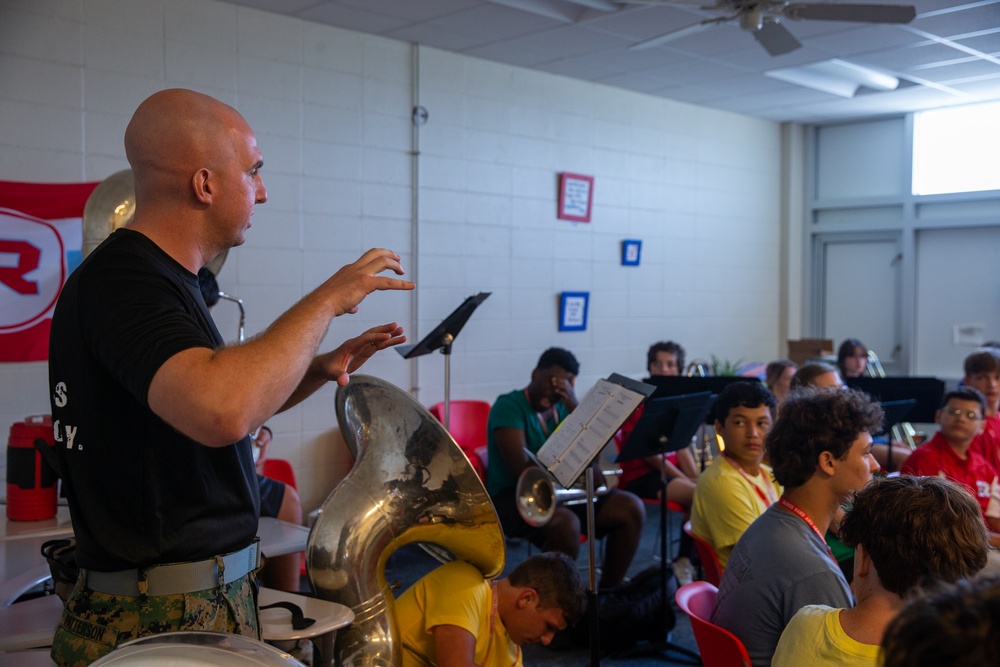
{"points": [[666, 425], [926, 391], [442, 338], [683, 385]]}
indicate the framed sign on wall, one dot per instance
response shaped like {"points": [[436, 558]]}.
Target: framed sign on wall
{"points": [[573, 311], [576, 194], [631, 249]]}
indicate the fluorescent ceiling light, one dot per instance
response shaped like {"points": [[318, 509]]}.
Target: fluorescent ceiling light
{"points": [[837, 77]]}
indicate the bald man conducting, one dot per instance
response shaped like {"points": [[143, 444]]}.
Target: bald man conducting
{"points": [[151, 411]]}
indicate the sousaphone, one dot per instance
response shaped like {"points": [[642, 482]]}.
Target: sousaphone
{"points": [[410, 484]]}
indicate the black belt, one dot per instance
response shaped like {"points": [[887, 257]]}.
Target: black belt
{"points": [[177, 578]]}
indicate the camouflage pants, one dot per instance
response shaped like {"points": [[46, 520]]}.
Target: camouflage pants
{"points": [[93, 623]]}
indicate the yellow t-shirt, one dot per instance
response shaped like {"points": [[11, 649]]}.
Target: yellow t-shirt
{"points": [[453, 594], [726, 503], [815, 637]]}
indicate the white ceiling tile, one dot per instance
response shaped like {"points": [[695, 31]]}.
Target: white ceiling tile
{"points": [[721, 66]]}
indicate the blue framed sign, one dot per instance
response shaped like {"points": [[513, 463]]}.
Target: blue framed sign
{"points": [[631, 248], [573, 311]]}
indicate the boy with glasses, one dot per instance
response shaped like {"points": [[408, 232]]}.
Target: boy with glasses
{"points": [[948, 454]]}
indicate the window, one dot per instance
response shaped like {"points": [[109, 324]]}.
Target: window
{"points": [[956, 149]]}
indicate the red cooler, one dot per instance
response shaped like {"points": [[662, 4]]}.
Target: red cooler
{"points": [[31, 483]]}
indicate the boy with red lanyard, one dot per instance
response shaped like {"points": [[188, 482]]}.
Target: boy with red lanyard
{"points": [[737, 488], [820, 449], [520, 422]]}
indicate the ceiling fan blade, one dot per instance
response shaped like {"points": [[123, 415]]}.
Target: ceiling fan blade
{"points": [[775, 38], [677, 34], [859, 13]]}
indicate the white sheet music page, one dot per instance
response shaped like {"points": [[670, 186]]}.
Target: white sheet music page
{"points": [[582, 435]]}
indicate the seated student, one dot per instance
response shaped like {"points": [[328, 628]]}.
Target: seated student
{"points": [[453, 616], [644, 477], [738, 487], [953, 626], [824, 376], [519, 423], [948, 454], [820, 448], [778, 377], [852, 358], [982, 372], [909, 532], [279, 500]]}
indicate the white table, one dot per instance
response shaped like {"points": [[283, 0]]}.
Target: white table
{"points": [[280, 538], [276, 624], [22, 566]]}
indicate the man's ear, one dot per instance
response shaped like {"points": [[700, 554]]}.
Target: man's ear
{"points": [[525, 597], [825, 462], [718, 428], [201, 185], [937, 417]]}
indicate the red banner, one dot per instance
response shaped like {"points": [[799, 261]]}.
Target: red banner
{"points": [[40, 244]]}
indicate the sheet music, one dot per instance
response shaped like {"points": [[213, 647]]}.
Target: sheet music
{"points": [[582, 435]]}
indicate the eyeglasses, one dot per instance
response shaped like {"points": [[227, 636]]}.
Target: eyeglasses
{"points": [[971, 415]]}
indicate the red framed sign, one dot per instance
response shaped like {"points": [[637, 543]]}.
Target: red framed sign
{"points": [[576, 194]]}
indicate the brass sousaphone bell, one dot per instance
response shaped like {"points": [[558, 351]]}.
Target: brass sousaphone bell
{"points": [[410, 484]]}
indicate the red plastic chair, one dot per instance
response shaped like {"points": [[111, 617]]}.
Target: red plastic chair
{"points": [[280, 470], [467, 425], [709, 559], [718, 646]]}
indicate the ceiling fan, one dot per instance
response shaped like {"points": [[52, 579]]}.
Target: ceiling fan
{"points": [[763, 19]]}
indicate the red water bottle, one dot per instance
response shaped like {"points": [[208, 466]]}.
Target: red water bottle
{"points": [[31, 483]]}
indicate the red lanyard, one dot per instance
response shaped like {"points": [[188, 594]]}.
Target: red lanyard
{"points": [[797, 511], [541, 420], [768, 499]]}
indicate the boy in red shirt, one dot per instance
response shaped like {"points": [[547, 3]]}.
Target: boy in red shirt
{"points": [[982, 372], [948, 454]]}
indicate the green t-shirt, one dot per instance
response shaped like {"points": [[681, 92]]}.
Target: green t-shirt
{"points": [[512, 410]]}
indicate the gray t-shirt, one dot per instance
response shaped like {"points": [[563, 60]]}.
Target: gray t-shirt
{"points": [[778, 566]]}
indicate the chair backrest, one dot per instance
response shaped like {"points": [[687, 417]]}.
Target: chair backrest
{"points": [[467, 421], [281, 470], [467, 424], [709, 559], [718, 647]]}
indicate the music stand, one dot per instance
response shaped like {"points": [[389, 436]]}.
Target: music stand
{"points": [[572, 448], [442, 338], [666, 425], [683, 385], [926, 391]]}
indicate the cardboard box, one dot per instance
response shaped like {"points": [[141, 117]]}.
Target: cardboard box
{"points": [[805, 349]]}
